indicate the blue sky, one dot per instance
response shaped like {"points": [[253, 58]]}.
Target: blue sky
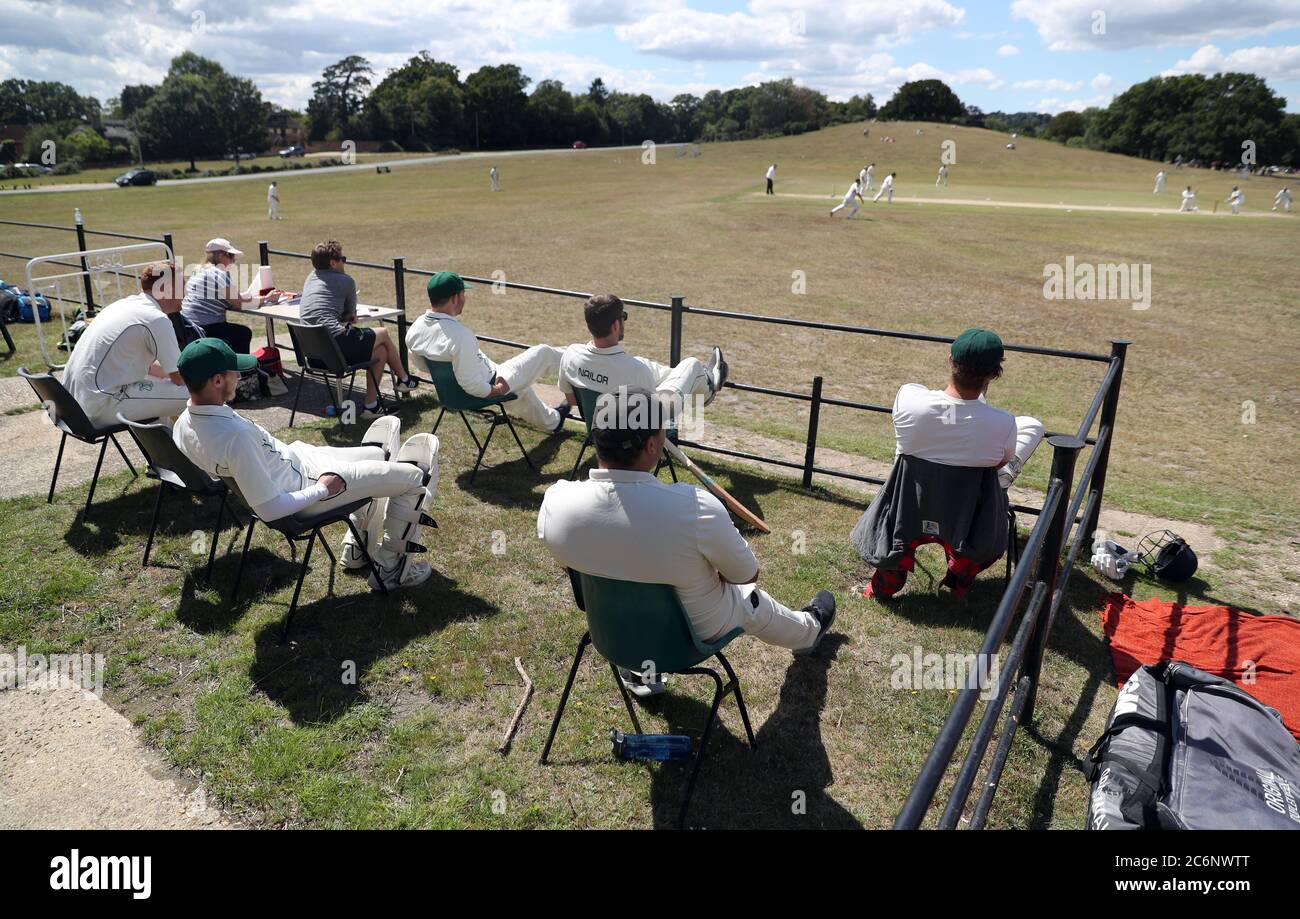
{"points": [[1013, 55]]}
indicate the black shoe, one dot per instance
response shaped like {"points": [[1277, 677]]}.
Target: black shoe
{"points": [[564, 408], [823, 608]]}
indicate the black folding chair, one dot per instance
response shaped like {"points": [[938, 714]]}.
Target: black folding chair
{"points": [[175, 472], [70, 418], [320, 357], [296, 528], [9, 341]]}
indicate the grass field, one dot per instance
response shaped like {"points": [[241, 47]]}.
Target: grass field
{"points": [[280, 740]]}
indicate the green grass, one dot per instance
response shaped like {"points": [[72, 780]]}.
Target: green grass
{"points": [[280, 739]]}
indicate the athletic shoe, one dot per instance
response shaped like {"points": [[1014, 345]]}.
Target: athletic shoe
{"points": [[410, 384], [822, 607], [351, 557], [413, 574], [717, 369], [563, 410], [374, 411], [633, 683]]}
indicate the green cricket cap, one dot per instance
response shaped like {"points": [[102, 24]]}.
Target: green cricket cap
{"points": [[445, 284], [978, 349], [208, 357]]}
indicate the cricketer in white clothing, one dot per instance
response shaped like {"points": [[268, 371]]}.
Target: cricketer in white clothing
{"points": [[439, 335], [623, 523], [886, 188], [602, 364], [273, 202], [853, 193], [125, 361], [956, 426]]}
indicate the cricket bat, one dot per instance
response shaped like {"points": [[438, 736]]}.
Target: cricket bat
{"points": [[716, 490]]}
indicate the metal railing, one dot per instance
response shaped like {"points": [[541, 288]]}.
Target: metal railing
{"points": [[1067, 508]]}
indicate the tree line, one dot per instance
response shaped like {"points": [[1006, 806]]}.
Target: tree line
{"points": [[199, 110]]}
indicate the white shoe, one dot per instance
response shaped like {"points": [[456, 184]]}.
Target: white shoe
{"points": [[641, 690], [351, 557], [412, 575], [409, 385], [717, 369]]}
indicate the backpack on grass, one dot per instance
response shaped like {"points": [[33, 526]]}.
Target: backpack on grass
{"points": [[1188, 750]]}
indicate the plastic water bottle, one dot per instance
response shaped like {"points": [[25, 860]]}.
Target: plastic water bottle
{"points": [[650, 747], [76, 216]]}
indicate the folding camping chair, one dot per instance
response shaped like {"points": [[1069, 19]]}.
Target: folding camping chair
{"points": [[298, 527], [318, 356], [587, 409], [630, 623], [175, 472], [453, 398], [70, 418]]}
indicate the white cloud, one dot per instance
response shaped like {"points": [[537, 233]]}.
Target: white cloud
{"points": [[1054, 106], [1279, 63], [1072, 24], [1049, 86], [1101, 81], [1008, 51]]}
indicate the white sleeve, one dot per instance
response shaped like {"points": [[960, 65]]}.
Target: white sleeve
{"points": [[469, 367], [721, 543], [286, 503]]}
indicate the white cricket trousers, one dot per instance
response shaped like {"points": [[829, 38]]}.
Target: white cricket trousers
{"points": [[747, 607], [689, 378], [273, 210], [368, 475], [889, 191], [521, 372], [139, 401], [842, 205]]}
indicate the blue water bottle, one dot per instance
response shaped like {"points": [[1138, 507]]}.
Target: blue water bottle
{"points": [[658, 748]]}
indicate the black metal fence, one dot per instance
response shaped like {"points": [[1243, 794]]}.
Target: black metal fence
{"points": [[1068, 508]]}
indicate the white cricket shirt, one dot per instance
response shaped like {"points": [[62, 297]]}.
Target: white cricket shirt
{"points": [[630, 526], [932, 425], [222, 442], [439, 337], [118, 347], [604, 369]]}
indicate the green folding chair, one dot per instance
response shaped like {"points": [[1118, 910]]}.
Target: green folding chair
{"points": [[630, 624], [453, 398], [587, 409]]}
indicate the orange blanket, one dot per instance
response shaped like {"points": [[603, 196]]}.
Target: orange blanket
{"points": [[1261, 654]]}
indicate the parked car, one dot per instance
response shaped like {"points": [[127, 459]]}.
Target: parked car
{"points": [[293, 151], [34, 168], [579, 145], [136, 177]]}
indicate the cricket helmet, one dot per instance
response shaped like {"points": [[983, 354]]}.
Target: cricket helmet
{"points": [[1167, 555]]}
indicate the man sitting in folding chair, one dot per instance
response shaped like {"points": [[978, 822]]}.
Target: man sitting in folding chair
{"points": [[439, 335], [956, 456], [603, 365], [279, 479], [125, 361], [625, 524]]}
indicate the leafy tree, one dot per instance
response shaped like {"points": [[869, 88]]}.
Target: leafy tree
{"points": [[44, 102], [338, 96], [551, 114], [597, 93], [923, 100], [181, 119], [496, 103], [133, 98], [1065, 126], [85, 145]]}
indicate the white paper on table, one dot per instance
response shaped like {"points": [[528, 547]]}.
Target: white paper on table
{"points": [[260, 282]]}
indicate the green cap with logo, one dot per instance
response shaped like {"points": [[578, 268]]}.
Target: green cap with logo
{"points": [[208, 357], [978, 349], [443, 285]]}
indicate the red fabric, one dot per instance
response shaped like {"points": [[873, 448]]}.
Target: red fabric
{"points": [[1217, 639], [961, 571]]}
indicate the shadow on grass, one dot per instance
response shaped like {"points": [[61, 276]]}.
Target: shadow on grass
{"points": [[128, 513], [508, 483], [206, 607], [336, 637], [787, 772]]}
